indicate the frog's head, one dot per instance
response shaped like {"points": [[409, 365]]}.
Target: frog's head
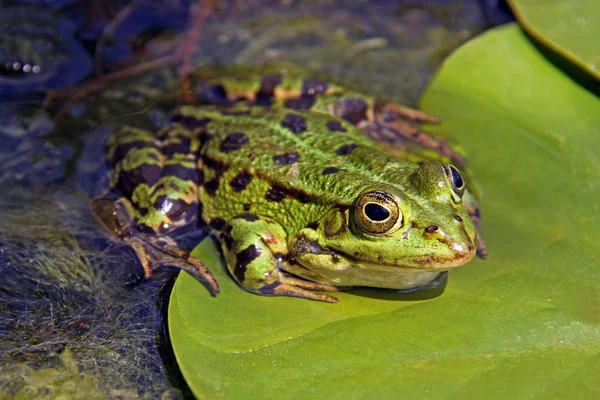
{"points": [[398, 236]]}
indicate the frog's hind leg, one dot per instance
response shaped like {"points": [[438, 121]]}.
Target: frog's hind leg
{"points": [[393, 124], [255, 249]]}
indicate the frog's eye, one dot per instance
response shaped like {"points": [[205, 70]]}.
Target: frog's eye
{"points": [[377, 213], [456, 180]]}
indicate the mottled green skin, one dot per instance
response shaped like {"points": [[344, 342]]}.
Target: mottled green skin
{"points": [[279, 187]]}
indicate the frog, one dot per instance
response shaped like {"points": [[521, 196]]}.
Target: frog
{"points": [[309, 186]]}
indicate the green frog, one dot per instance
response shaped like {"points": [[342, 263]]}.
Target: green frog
{"points": [[309, 186]]}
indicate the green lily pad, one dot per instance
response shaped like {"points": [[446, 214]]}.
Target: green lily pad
{"points": [[523, 324], [569, 27]]}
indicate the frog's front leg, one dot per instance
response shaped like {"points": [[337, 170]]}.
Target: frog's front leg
{"points": [[153, 252], [255, 249]]}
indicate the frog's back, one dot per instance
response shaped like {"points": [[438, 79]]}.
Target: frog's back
{"points": [[284, 164]]}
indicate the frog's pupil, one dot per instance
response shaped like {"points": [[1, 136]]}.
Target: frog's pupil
{"points": [[456, 177], [376, 213]]}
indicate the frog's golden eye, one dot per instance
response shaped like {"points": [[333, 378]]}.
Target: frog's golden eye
{"points": [[456, 180], [377, 213]]}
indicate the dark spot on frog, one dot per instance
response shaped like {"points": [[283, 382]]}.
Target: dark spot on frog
{"points": [[275, 193], [212, 185], [218, 166], [352, 109], [217, 224], [244, 258], [200, 177], [286, 158], [247, 217], [191, 123], [335, 126], [270, 288], [181, 172], [432, 229], [181, 147], [264, 97], [313, 225], [128, 181], [175, 209], [458, 218], [278, 193], [330, 170], [311, 86], [240, 181], [304, 102], [346, 149], [247, 207], [294, 122], [212, 94], [233, 141]]}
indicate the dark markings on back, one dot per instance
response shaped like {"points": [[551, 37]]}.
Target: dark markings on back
{"points": [[304, 102], [233, 141], [190, 123], [181, 147], [313, 86], [345, 149], [330, 170], [352, 109], [264, 97], [286, 158], [335, 126], [128, 181], [244, 258], [212, 94], [294, 122], [277, 193], [181, 172], [240, 181]]}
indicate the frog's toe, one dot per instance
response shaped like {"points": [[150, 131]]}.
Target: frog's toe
{"points": [[287, 289], [410, 114], [153, 259]]}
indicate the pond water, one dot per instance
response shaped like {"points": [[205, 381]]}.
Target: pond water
{"points": [[76, 318]]}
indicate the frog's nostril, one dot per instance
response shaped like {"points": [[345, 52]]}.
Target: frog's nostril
{"points": [[432, 229], [458, 218]]}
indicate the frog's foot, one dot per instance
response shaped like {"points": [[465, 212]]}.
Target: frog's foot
{"points": [[296, 289], [159, 252], [291, 286], [395, 124]]}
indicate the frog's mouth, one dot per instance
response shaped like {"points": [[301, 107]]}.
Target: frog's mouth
{"points": [[427, 262]]}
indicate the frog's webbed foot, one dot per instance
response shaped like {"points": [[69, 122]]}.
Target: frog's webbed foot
{"points": [[395, 124], [289, 286], [158, 252]]}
